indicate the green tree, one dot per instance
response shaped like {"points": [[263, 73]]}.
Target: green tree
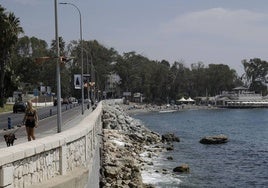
{"points": [[9, 31], [123, 69], [24, 61], [64, 69], [136, 73], [61, 46], [160, 83], [199, 79], [104, 59], [97, 58], [180, 80], [256, 71], [220, 78]]}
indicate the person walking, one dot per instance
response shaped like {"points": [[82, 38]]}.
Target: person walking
{"points": [[30, 120]]}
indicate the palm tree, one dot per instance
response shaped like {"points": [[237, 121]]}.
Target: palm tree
{"points": [[61, 46], [9, 31]]}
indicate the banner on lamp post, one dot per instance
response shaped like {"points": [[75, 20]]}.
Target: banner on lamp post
{"points": [[77, 81]]}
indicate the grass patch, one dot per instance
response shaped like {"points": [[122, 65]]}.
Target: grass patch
{"points": [[7, 108]]}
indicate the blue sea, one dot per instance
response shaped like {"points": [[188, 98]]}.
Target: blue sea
{"points": [[242, 162]]}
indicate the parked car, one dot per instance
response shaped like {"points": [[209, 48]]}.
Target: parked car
{"points": [[19, 107], [72, 100]]}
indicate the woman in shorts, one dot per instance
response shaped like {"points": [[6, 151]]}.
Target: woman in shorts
{"points": [[30, 120]]}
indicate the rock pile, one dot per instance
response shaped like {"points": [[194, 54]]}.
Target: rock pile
{"points": [[124, 140]]}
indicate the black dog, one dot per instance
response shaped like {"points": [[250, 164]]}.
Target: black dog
{"points": [[9, 138]]}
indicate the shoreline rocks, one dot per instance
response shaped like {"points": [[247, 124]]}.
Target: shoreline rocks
{"points": [[125, 139], [130, 150]]}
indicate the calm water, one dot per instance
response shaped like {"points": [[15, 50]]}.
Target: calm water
{"points": [[242, 162]]}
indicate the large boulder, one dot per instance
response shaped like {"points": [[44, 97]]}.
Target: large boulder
{"points": [[170, 137], [182, 168], [217, 139]]}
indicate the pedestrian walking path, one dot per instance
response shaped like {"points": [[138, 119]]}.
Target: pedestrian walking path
{"points": [[47, 126]]}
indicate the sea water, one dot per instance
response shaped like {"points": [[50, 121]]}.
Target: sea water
{"points": [[242, 162]]}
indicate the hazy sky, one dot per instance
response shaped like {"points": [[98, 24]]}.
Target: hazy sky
{"points": [[211, 31]]}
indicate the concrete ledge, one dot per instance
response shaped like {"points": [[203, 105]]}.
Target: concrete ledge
{"points": [[6, 157], [76, 178]]}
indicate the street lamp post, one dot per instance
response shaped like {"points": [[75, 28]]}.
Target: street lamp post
{"points": [[92, 79], [82, 63], [59, 118], [87, 73]]}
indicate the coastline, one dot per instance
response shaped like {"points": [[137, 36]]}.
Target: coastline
{"points": [[137, 108], [128, 150], [152, 163]]}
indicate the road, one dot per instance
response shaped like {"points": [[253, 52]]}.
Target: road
{"points": [[71, 116], [44, 112]]}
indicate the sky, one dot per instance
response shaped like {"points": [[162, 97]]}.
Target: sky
{"points": [[188, 31]]}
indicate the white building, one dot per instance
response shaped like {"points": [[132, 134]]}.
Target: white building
{"points": [[241, 97]]}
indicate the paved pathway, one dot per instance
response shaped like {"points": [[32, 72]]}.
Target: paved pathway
{"points": [[47, 126]]}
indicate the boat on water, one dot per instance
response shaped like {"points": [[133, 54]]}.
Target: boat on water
{"points": [[241, 97], [167, 111]]}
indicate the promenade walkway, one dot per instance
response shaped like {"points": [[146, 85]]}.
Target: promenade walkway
{"points": [[48, 126]]}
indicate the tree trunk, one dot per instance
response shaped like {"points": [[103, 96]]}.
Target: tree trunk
{"points": [[2, 77]]}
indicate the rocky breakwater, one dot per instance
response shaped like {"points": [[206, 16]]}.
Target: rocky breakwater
{"points": [[124, 139]]}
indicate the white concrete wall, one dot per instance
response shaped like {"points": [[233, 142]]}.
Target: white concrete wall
{"points": [[55, 157]]}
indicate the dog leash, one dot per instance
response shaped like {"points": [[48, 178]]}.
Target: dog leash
{"points": [[13, 132]]}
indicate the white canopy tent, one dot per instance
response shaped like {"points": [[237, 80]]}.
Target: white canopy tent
{"points": [[186, 101], [182, 100], [190, 99]]}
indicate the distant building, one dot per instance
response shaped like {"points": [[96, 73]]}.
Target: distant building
{"points": [[241, 97], [137, 97]]}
